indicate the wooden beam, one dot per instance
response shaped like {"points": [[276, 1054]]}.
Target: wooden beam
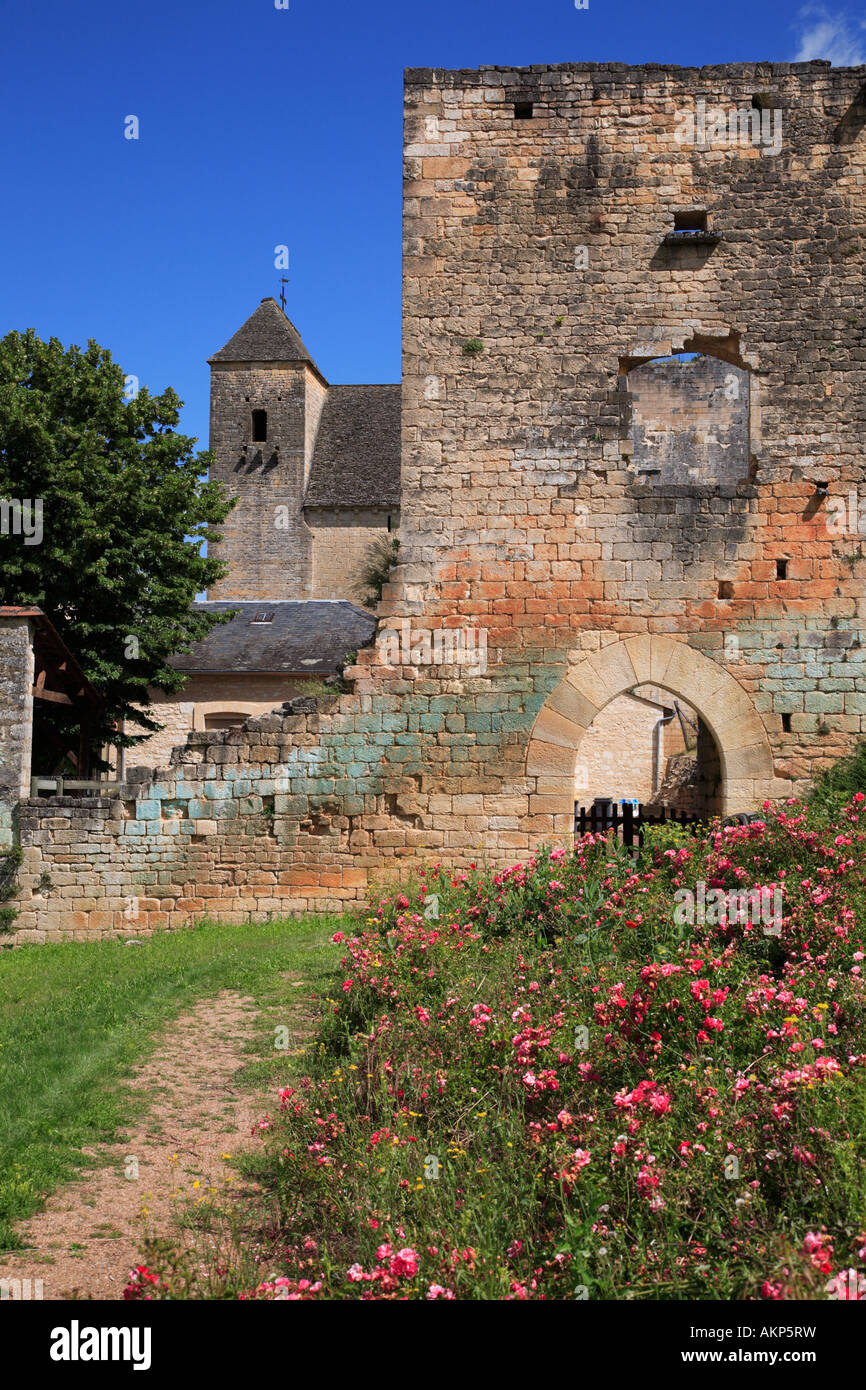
{"points": [[53, 695]]}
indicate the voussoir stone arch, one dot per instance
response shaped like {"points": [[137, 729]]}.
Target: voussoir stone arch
{"points": [[595, 678]]}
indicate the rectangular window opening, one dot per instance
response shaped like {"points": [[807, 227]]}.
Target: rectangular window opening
{"points": [[225, 721], [781, 569], [264, 616], [690, 220], [523, 110], [786, 723], [260, 426], [726, 588]]}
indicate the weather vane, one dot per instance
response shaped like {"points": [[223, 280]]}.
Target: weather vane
{"points": [[284, 282]]}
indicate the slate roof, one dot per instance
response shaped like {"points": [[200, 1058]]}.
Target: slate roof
{"points": [[267, 336], [309, 637], [356, 461]]}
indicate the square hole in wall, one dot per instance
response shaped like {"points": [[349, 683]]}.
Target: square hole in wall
{"points": [[523, 110], [726, 588], [690, 220]]}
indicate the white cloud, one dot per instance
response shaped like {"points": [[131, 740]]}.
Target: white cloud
{"points": [[836, 37]]}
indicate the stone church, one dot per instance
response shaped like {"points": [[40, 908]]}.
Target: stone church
{"points": [[315, 471]]}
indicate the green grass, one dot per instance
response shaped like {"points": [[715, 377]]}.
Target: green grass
{"points": [[76, 1017], [840, 782]]}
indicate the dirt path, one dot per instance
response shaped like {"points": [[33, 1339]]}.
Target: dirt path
{"points": [[88, 1237]]}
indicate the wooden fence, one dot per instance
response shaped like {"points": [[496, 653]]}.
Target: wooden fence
{"points": [[71, 786], [628, 820]]}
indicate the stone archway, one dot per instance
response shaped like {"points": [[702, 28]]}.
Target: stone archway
{"points": [[596, 678]]}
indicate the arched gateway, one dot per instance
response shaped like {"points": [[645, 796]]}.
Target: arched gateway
{"points": [[596, 678]]}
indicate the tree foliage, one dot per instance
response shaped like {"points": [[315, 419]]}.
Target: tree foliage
{"points": [[124, 510]]}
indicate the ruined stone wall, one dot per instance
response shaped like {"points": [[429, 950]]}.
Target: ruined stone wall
{"points": [[204, 696], [543, 240], [243, 824]]}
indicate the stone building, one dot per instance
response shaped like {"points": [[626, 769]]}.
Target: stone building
{"points": [[565, 227], [315, 468], [38, 675], [315, 473]]}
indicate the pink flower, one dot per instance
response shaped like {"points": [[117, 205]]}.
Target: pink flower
{"points": [[404, 1264]]}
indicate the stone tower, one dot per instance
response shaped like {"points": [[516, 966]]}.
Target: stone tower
{"points": [[267, 396]]}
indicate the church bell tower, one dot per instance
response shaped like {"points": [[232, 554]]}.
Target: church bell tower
{"points": [[266, 400]]}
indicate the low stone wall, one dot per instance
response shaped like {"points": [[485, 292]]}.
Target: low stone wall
{"points": [[244, 820]]}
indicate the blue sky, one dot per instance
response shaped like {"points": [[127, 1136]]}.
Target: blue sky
{"points": [[261, 127]]}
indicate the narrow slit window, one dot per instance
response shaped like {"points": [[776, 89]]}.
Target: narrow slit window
{"points": [[523, 110], [786, 723], [781, 569], [260, 426]]}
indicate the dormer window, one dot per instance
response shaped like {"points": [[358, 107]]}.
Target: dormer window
{"points": [[260, 426]]}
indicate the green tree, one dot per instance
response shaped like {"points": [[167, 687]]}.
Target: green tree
{"points": [[124, 510]]}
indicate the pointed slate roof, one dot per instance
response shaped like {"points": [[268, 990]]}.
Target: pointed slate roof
{"points": [[267, 336]]}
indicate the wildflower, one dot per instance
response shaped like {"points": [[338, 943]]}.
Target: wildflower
{"points": [[404, 1264]]}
